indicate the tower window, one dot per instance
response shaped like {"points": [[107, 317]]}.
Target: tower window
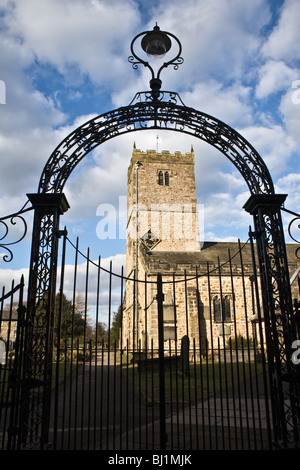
{"points": [[217, 309], [226, 308], [163, 178], [169, 323], [222, 310]]}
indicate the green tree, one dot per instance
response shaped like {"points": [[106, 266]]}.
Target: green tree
{"points": [[100, 333], [116, 326], [69, 320]]}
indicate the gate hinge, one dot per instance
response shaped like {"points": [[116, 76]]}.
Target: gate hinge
{"points": [[21, 315], [255, 234], [160, 297], [61, 233]]}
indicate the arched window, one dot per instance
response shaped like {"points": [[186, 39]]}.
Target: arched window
{"points": [[217, 309], [222, 311], [226, 309], [163, 178]]}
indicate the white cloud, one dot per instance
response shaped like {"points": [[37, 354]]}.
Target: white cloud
{"points": [[115, 263], [274, 145], [213, 32], [290, 109], [289, 184], [274, 76], [229, 104], [212, 236], [101, 182], [89, 36], [283, 42], [7, 276], [26, 151], [28, 122], [224, 215]]}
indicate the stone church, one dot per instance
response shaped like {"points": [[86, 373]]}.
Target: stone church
{"points": [[209, 290]]}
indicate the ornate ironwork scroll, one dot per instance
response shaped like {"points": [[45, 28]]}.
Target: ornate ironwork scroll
{"points": [[294, 230], [13, 220]]}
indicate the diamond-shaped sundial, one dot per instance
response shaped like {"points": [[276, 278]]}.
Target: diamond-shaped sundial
{"points": [[150, 240]]}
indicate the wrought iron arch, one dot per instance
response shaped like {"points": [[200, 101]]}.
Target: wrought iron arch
{"points": [[144, 114]]}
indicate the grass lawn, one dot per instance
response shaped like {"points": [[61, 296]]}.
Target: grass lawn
{"points": [[202, 380]]}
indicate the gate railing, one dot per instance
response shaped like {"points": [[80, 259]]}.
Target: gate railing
{"points": [[12, 315], [183, 366], [188, 370]]}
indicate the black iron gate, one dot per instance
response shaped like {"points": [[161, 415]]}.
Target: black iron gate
{"points": [[200, 381], [196, 379]]}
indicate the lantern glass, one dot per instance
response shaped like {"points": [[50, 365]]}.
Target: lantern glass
{"points": [[156, 44]]}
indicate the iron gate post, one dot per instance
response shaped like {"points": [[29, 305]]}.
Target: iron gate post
{"points": [[278, 311], [37, 365], [162, 397]]}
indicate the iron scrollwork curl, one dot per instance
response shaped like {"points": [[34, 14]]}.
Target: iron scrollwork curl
{"points": [[294, 222], [294, 229], [8, 221]]}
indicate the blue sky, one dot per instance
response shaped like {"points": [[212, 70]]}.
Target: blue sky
{"points": [[66, 61]]}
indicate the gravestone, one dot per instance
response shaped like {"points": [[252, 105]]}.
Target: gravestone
{"points": [[184, 355], [2, 352], [2, 355]]}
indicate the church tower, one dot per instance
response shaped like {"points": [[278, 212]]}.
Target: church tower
{"points": [[162, 222], [162, 204]]}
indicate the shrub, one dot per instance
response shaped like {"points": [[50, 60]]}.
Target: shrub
{"points": [[240, 342]]}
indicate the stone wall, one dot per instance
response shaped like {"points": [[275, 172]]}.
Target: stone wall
{"points": [[169, 211], [193, 299]]}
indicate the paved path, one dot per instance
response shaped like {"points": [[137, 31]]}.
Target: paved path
{"points": [[119, 418]]}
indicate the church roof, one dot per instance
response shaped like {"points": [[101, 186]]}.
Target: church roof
{"points": [[211, 254]]}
